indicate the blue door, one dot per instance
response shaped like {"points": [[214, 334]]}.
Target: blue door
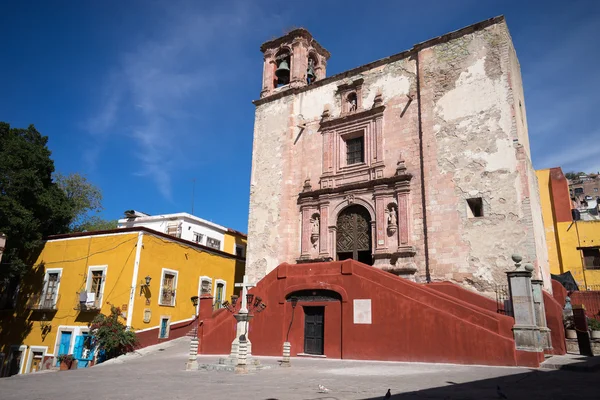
{"points": [[65, 344], [163, 327], [83, 351]]}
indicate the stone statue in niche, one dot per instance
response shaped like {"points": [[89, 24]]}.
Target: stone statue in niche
{"points": [[392, 220], [314, 233], [352, 101]]}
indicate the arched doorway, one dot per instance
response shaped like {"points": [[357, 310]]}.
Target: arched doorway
{"points": [[320, 307], [354, 235]]}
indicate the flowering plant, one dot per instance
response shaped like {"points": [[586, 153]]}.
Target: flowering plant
{"points": [[65, 358], [111, 335]]}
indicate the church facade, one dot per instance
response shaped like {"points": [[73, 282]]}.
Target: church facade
{"points": [[418, 163]]}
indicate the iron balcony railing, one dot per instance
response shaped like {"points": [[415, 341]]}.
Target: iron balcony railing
{"points": [[88, 301], [42, 301], [167, 297]]}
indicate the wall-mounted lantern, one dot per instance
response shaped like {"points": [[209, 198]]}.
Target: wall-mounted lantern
{"points": [[146, 285], [194, 300]]}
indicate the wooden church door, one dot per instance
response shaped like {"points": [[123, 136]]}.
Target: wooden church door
{"points": [[354, 235]]}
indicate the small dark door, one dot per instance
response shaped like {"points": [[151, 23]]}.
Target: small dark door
{"points": [[313, 330]]}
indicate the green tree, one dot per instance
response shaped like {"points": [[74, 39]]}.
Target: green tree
{"points": [[32, 205], [95, 223], [573, 175], [111, 335], [85, 200]]}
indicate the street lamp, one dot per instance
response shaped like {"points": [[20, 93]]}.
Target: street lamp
{"points": [[243, 315], [146, 285], [192, 363]]}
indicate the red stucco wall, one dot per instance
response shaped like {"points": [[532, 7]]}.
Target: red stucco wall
{"points": [[150, 337], [465, 295], [591, 301], [410, 321], [554, 320]]}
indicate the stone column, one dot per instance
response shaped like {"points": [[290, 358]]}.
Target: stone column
{"points": [[268, 74], [243, 319], [380, 222], [525, 331], [305, 234], [540, 313], [402, 190], [299, 61], [324, 231]]}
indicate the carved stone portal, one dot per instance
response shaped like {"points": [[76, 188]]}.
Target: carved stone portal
{"points": [[354, 234]]}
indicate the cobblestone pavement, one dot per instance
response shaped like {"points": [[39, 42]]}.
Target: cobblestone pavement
{"points": [[160, 373]]}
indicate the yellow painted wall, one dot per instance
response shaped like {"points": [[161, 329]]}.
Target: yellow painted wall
{"points": [[73, 256], [191, 263], [118, 253], [579, 234], [549, 222], [231, 239]]}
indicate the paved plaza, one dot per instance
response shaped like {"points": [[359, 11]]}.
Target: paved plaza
{"points": [[159, 373]]}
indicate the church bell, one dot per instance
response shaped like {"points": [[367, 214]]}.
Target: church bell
{"points": [[310, 74], [283, 72]]}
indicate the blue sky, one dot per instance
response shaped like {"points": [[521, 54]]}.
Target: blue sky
{"points": [[144, 96]]}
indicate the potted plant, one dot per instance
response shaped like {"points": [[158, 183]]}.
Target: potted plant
{"points": [[570, 327], [594, 325], [65, 361]]}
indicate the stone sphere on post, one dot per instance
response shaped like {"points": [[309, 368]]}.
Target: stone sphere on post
{"points": [[528, 267]]}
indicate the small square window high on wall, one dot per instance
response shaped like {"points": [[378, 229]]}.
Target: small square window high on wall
{"points": [[475, 207], [239, 250], [591, 258]]}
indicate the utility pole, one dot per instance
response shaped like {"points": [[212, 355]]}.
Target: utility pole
{"points": [[193, 190]]}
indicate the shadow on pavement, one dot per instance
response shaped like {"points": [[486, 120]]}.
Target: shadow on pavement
{"points": [[573, 381]]}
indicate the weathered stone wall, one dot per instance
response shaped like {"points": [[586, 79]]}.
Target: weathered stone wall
{"points": [[473, 149], [475, 144], [284, 156]]}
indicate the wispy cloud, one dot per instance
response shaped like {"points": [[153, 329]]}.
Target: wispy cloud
{"points": [[159, 86], [560, 90]]}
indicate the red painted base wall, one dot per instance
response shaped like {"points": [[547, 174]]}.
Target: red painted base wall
{"points": [[410, 321], [150, 337]]}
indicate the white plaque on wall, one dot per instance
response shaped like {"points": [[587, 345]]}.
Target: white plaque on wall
{"points": [[362, 311]]}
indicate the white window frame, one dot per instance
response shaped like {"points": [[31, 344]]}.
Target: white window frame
{"points": [[217, 281], [162, 279], [88, 283], [47, 279], [23, 349], [43, 349], [168, 318], [218, 240], [194, 234], [200, 280]]}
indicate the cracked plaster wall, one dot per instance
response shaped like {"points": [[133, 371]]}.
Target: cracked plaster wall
{"points": [[285, 155], [474, 149], [474, 128]]}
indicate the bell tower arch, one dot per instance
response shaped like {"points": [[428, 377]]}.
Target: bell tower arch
{"points": [[292, 61]]}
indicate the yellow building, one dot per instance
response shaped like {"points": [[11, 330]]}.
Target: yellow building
{"points": [[150, 276], [572, 233]]}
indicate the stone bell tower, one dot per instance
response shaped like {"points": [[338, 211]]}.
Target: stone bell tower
{"points": [[292, 61]]}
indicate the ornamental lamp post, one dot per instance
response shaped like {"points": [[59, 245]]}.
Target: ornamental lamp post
{"points": [[243, 315], [192, 364]]}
